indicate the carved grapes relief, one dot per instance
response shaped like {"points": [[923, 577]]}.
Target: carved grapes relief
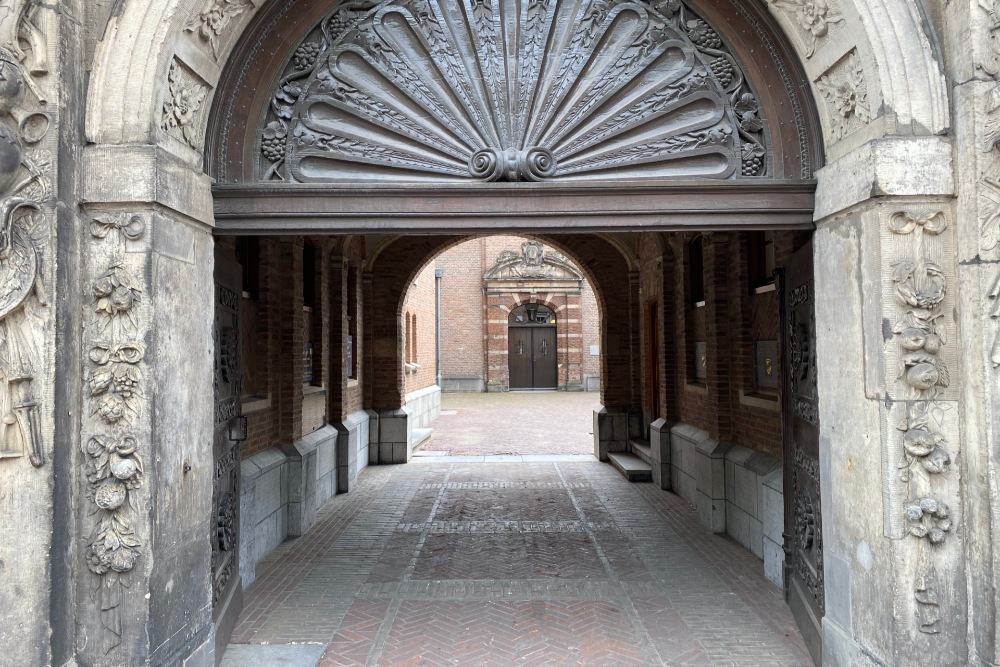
{"points": [[436, 90]]}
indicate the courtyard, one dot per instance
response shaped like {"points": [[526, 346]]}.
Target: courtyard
{"points": [[513, 423]]}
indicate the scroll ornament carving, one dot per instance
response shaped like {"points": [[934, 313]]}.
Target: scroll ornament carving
{"points": [[814, 17], [185, 96], [113, 466], [562, 91], [928, 607], [211, 22], [23, 189], [533, 262], [846, 92]]}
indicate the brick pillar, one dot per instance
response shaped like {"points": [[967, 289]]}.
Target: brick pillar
{"points": [[337, 336], [290, 371], [718, 334], [495, 339]]}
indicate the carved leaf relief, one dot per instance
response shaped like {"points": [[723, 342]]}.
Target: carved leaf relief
{"points": [[846, 93], [814, 17], [492, 90], [181, 108]]}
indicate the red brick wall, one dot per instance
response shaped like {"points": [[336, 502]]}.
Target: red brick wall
{"points": [[421, 306], [463, 314], [590, 315], [471, 349], [728, 404]]}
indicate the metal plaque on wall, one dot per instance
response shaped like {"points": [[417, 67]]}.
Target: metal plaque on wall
{"points": [[765, 363]]}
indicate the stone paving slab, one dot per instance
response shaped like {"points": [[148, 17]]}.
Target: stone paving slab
{"points": [[613, 574], [531, 423]]}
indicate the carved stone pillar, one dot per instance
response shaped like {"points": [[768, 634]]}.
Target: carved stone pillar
{"points": [[35, 175], [975, 28], [145, 465], [889, 387]]}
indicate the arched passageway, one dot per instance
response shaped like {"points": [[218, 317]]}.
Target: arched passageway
{"points": [[145, 136]]}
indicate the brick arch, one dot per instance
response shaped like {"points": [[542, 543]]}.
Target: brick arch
{"points": [[394, 265]]}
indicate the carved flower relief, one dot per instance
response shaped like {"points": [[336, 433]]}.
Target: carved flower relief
{"points": [[184, 100], [213, 20], [117, 294], [846, 92], [813, 16], [929, 518]]}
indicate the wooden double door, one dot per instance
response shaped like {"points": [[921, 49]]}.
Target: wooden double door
{"points": [[532, 357]]}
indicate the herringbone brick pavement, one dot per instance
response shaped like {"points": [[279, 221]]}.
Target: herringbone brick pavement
{"points": [[545, 563]]}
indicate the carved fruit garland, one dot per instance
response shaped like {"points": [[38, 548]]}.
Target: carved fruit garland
{"points": [[919, 287], [435, 89], [113, 466]]}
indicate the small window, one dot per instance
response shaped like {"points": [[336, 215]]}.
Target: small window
{"points": [[408, 338], [532, 313], [352, 321], [696, 271], [760, 260]]}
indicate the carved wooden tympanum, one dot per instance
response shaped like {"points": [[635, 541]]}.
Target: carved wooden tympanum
{"points": [[430, 90]]}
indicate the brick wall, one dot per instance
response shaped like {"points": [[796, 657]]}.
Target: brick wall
{"points": [[419, 313], [728, 404], [463, 325], [474, 327]]}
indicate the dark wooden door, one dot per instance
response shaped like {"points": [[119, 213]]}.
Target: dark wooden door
{"points": [[224, 536], [519, 357], [544, 366], [531, 354], [800, 435]]}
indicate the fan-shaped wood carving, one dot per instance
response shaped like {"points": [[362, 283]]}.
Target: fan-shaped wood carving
{"points": [[511, 90]]}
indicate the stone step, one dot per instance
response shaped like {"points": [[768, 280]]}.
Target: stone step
{"points": [[641, 449], [631, 467], [419, 436]]}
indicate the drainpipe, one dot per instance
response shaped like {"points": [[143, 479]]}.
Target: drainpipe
{"points": [[438, 273]]}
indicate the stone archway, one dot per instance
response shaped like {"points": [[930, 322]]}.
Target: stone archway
{"points": [[888, 173]]}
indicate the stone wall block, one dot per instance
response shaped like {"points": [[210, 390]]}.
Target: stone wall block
{"points": [[351, 432], [659, 443], [302, 480], [395, 435]]}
